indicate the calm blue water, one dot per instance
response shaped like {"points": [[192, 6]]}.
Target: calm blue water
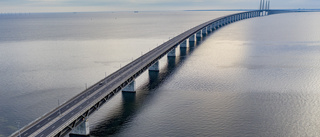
{"points": [[257, 77]]}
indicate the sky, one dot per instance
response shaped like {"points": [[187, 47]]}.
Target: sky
{"points": [[25, 6]]}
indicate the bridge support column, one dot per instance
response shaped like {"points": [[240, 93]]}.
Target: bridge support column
{"points": [[154, 67], [130, 87], [192, 38], [213, 26], [183, 44], [198, 35], [172, 53], [209, 29], [82, 130], [204, 31], [216, 25]]}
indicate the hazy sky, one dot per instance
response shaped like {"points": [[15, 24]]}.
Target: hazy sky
{"points": [[131, 5]]}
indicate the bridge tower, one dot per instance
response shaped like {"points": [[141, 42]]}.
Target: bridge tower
{"points": [[264, 7]]}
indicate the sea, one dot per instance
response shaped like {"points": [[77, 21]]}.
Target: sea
{"points": [[256, 77]]}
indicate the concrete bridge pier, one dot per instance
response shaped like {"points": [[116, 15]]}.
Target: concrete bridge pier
{"points": [[213, 26], [209, 29], [82, 130], [192, 38], [130, 87], [220, 23], [183, 44], [154, 67], [216, 25], [199, 35], [204, 32], [172, 53]]}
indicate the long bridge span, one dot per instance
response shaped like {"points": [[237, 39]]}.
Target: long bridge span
{"points": [[72, 115]]}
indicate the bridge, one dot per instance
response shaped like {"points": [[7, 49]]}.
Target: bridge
{"points": [[71, 117]]}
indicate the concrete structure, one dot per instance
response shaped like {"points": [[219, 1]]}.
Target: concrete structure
{"points": [[130, 87], [82, 130], [154, 67], [184, 44], [199, 34], [192, 38], [172, 53]]}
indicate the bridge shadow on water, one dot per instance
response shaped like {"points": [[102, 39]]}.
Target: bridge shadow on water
{"points": [[133, 102]]}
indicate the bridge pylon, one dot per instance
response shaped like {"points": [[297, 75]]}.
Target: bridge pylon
{"points": [[264, 7]]}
